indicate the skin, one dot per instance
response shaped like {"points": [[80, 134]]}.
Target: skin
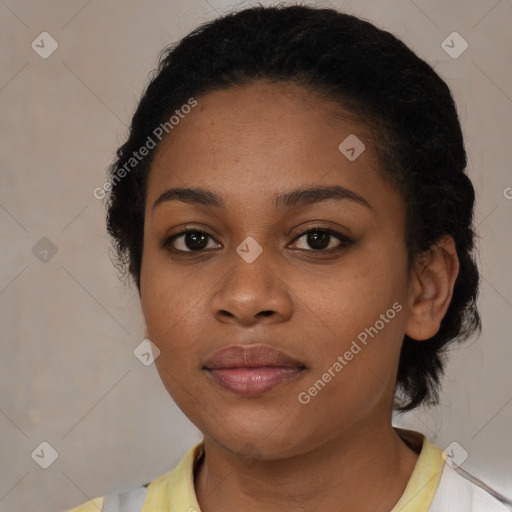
{"points": [[270, 451]]}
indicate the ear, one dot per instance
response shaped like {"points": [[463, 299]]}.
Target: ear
{"points": [[431, 288]]}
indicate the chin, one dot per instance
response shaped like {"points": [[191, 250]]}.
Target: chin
{"points": [[258, 437]]}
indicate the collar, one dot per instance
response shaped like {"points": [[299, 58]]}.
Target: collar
{"points": [[174, 490]]}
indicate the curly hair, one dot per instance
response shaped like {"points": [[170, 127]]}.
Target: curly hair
{"points": [[372, 75]]}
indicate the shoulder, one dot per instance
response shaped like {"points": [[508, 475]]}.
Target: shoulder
{"points": [[437, 484], [461, 491], [90, 506], [171, 490], [127, 500]]}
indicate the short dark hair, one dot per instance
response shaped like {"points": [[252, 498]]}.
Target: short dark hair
{"points": [[369, 73]]}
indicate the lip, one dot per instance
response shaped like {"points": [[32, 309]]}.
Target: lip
{"points": [[251, 370]]}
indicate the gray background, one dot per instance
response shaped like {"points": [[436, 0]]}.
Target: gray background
{"points": [[69, 325]]}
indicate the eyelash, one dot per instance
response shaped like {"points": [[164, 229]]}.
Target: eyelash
{"points": [[343, 239]]}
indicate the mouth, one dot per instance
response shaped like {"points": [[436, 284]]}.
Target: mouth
{"points": [[251, 370]]}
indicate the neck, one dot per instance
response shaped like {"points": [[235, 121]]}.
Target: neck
{"points": [[366, 469]]}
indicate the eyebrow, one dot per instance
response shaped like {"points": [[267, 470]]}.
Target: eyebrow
{"points": [[284, 200]]}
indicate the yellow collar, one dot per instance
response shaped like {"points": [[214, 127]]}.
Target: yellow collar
{"points": [[424, 480], [175, 491]]}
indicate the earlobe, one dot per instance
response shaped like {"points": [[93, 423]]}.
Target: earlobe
{"points": [[431, 288]]}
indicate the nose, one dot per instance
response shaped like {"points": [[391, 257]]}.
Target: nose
{"points": [[252, 293]]}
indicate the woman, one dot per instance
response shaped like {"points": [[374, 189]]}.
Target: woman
{"points": [[292, 205]]}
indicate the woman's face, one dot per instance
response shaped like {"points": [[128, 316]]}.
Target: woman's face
{"points": [[308, 296]]}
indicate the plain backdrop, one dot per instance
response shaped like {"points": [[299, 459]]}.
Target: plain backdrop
{"points": [[68, 373]]}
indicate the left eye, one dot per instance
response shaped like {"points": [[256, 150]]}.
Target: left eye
{"points": [[320, 239]]}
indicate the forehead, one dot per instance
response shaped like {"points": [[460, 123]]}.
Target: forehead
{"points": [[253, 140]]}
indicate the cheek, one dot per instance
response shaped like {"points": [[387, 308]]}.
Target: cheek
{"points": [[171, 320], [168, 294], [360, 313], [351, 295]]}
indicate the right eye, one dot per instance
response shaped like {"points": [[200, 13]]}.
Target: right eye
{"points": [[189, 240]]}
